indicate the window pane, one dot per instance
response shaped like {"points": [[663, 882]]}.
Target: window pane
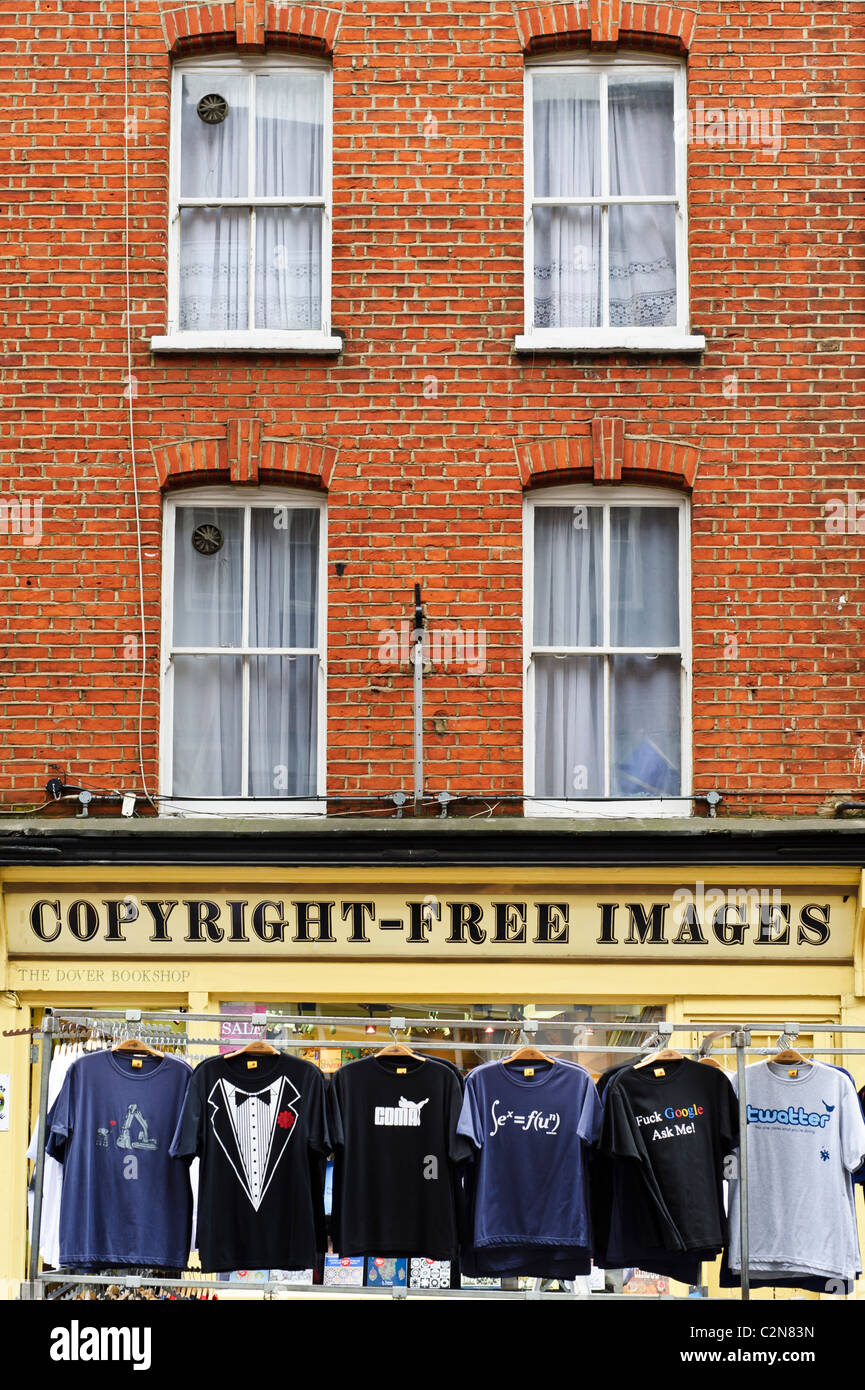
{"points": [[645, 714], [284, 577], [642, 265], [214, 158], [644, 576], [207, 587], [566, 135], [289, 133], [568, 576], [642, 146], [208, 706], [283, 725], [569, 726], [214, 268], [288, 267], [567, 252]]}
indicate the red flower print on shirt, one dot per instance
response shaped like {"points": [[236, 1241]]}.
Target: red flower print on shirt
{"points": [[285, 1119]]}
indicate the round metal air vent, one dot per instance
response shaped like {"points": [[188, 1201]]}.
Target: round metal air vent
{"points": [[212, 109], [207, 539]]}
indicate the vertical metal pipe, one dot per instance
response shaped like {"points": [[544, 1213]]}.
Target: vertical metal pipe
{"points": [[418, 654], [418, 720], [741, 1039], [36, 1228]]}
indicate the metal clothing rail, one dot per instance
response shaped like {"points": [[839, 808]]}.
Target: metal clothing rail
{"points": [[659, 1032], [400, 1021]]}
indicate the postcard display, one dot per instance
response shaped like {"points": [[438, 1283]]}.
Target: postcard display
{"points": [[396, 1173]]}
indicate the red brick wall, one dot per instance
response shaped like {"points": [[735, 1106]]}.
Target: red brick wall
{"points": [[428, 283]]}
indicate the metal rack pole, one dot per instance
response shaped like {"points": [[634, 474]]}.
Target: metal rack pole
{"points": [[742, 1040], [36, 1228]]}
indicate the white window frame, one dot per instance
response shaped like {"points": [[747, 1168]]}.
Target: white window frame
{"points": [[246, 498], [613, 496], [321, 340], [678, 338]]}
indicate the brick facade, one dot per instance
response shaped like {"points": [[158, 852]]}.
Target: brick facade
{"points": [[427, 427]]}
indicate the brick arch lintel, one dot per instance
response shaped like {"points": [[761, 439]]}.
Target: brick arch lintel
{"points": [[242, 454], [604, 24], [601, 451], [251, 25]]}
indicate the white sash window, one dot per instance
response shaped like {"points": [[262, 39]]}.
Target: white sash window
{"points": [[606, 215], [250, 217], [607, 651], [243, 653]]}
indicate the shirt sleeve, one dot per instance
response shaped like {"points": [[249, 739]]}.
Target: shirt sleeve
{"points": [[319, 1119], [61, 1119], [336, 1109], [459, 1144], [617, 1125], [589, 1124], [189, 1136], [333, 1114], [852, 1126], [728, 1117], [469, 1123]]}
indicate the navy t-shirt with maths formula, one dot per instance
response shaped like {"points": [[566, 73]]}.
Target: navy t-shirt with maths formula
{"points": [[530, 1123], [124, 1200]]}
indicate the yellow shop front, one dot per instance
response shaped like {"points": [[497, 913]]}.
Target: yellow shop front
{"points": [[473, 954]]}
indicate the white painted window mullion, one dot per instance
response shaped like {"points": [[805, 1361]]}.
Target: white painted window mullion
{"points": [[251, 191], [605, 209], [244, 642], [528, 646], [614, 199], [300, 200], [685, 640], [606, 546], [528, 204], [606, 640], [327, 204], [680, 118], [321, 637], [166, 741], [174, 156]]}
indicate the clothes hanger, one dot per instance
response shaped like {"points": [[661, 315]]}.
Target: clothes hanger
{"points": [[704, 1049], [397, 1049], [666, 1054], [137, 1045], [528, 1054], [257, 1047], [787, 1054], [663, 1054]]}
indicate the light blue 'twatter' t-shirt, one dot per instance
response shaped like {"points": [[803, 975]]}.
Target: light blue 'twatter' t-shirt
{"points": [[124, 1200], [806, 1135]]}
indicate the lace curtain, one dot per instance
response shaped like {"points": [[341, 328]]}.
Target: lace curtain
{"points": [[283, 690], [644, 691], [215, 163], [568, 260]]}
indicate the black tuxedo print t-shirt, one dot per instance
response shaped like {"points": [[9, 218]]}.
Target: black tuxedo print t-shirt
{"points": [[258, 1131], [393, 1180]]}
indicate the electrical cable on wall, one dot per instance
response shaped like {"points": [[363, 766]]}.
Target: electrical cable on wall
{"points": [[130, 395]]}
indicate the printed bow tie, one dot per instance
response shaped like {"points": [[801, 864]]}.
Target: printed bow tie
{"points": [[241, 1096]]}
